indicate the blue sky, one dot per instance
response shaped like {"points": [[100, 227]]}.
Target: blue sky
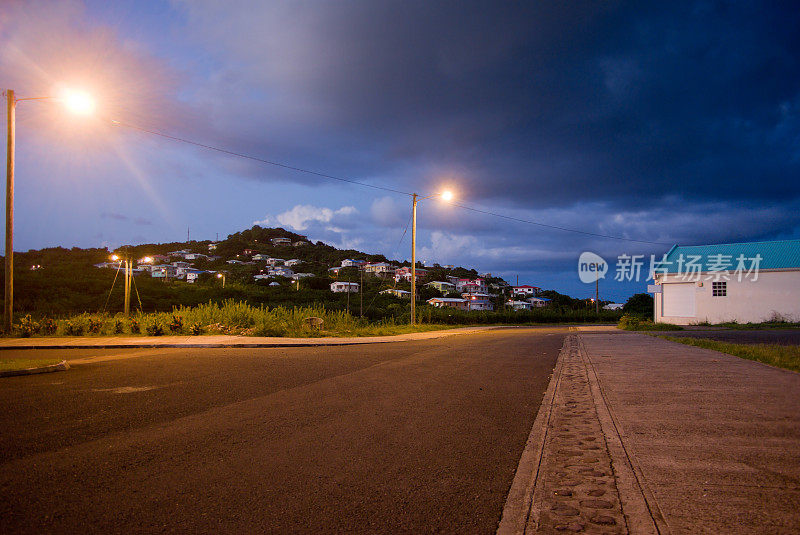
{"points": [[662, 123]]}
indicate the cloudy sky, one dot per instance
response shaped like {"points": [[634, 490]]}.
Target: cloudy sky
{"points": [[659, 123]]}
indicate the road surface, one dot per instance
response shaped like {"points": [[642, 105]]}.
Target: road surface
{"points": [[408, 437]]}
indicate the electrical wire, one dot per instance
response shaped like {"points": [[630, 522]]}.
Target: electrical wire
{"points": [[373, 186]]}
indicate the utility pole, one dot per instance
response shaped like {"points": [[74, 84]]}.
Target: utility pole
{"points": [[413, 258], [348, 293], [361, 287], [597, 295], [9, 291]]}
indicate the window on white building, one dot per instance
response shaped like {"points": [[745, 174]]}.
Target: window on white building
{"points": [[719, 289]]}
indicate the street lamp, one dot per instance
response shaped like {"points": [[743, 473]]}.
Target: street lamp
{"points": [[75, 101], [446, 196], [221, 275]]}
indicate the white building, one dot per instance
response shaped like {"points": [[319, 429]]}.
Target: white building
{"points": [[344, 287], [519, 305], [449, 302], [538, 302], [743, 282], [478, 300], [613, 306], [525, 290], [278, 242]]}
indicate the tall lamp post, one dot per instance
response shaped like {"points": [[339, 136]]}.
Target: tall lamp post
{"points": [[77, 102], [446, 196]]}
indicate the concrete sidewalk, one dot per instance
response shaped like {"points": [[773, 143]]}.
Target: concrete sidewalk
{"points": [[122, 342], [640, 435], [714, 440]]}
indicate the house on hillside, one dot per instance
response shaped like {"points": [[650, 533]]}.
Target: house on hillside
{"points": [[348, 262], [275, 261], [212, 247], [525, 290], [344, 287], [449, 302], [379, 269], [613, 306], [404, 274], [292, 262], [260, 257], [471, 285], [444, 287], [193, 274], [281, 242], [478, 300], [538, 302], [744, 282], [519, 305], [299, 243]]}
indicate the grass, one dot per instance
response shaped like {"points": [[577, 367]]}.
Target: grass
{"points": [[24, 364], [759, 326], [635, 323], [781, 356]]}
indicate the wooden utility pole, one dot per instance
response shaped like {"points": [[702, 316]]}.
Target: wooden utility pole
{"points": [[361, 288], [413, 258], [597, 295], [128, 275], [9, 290]]}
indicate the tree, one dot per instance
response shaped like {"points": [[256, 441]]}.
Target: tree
{"points": [[639, 305]]}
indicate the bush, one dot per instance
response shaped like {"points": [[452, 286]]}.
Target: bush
{"points": [[176, 325], [73, 329], [135, 328], [197, 329], [28, 327], [155, 329], [119, 327], [635, 323], [94, 326], [49, 326]]}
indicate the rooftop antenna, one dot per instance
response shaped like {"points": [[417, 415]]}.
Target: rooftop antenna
{"points": [[187, 233]]}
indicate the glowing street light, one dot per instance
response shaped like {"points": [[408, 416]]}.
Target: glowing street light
{"points": [[221, 275], [76, 101], [446, 196]]}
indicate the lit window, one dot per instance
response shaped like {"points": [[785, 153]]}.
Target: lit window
{"points": [[719, 289]]}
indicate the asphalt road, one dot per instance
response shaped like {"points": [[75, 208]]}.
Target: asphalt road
{"points": [[408, 437]]}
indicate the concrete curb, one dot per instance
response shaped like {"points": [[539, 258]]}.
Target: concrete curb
{"points": [[238, 342], [641, 510], [520, 497], [61, 366]]}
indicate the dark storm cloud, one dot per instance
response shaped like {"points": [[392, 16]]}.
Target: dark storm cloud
{"points": [[529, 104]]}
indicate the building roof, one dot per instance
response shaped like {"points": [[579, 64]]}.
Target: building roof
{"points": [[782, 254], [447, 299]]}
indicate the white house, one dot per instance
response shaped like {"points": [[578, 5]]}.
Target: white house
{"points": [[193, 274], [471, 285], [349, 262], [449, 302], [298, 276], [613, 306], [743, 282], [525, 290], [538, 302], [344, 287], [260, 256], [275, 261], [278, 242], [519, 305], [292, 262]]}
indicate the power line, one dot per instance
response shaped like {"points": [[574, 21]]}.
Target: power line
{"points": [[257, 159], [555, 227], [383, 188]]}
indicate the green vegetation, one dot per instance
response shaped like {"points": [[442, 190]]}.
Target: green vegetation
{"points": [[24, 364], [230, 317], [639, 305], [635, 323], [781, 356]]}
